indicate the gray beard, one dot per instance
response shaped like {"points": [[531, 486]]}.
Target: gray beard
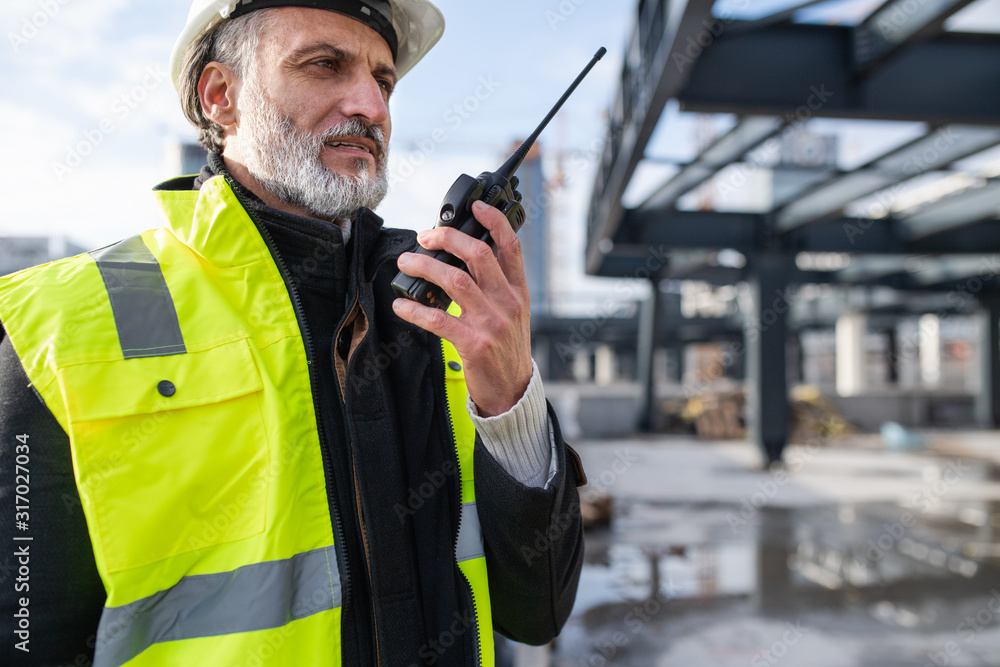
{"points": [[286, 161]]}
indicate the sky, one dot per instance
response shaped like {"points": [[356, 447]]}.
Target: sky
{"points": [[87, 107]]}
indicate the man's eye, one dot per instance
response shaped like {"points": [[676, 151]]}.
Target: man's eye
{"points": [[327, 63], [386, 86]]}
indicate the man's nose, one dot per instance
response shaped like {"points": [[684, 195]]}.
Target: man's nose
{"points": [[365, 99]]}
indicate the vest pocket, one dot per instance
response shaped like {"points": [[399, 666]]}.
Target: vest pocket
{"points": [[170, 453]]}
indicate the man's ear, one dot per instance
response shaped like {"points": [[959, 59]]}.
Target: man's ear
{"points": [[218, 90]]}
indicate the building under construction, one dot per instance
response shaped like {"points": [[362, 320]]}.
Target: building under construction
{"points": [[811, 191]]}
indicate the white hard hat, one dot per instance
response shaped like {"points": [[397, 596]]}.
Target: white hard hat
{"points": [[410, 27]]}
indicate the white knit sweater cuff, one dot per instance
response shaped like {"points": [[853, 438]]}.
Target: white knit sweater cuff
{"points": [[520, 439]]}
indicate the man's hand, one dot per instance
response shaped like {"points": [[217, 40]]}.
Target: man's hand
{"points": [[493, 335]]}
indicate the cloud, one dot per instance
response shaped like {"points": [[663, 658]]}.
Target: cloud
{"points": [[105, 198], [84, 111], [56, 32], [94, 209]]}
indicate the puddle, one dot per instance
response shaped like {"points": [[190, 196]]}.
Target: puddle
{"points": [[852, 585]]}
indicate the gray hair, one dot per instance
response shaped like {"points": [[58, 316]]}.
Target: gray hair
{"points": [[234, 42]]}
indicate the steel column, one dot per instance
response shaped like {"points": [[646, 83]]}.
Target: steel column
{"points": [[767, 364], [648, 318], [988, 398]]}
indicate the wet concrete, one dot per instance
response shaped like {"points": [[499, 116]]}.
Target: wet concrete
{"points": [[709, 562]]}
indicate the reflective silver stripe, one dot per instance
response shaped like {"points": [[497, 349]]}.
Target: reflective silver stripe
{"points": [[144, 311], [470, 535], [254, 597]]}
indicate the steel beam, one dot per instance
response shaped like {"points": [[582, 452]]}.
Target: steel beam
{"points": [[896, 24], [942, 270], [851, 235], [656, 68], [683, 264], [957, 287], [563, 334], [830, 198], [748, 133], [972, 205], [790, 184], [868, 268], [782, 16], [884, 237], [805, 71], [687, 229], [929, 153], [645, 239]]}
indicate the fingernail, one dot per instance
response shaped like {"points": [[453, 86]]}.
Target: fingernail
{"points": [[481, 205], [403, 259], [422, 236]]}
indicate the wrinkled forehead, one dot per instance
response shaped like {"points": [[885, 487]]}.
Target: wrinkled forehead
{"points": [[294, 35]]}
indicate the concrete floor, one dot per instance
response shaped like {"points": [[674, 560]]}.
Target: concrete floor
{"points": [[853, 556]]}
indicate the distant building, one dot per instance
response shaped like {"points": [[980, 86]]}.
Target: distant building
{"points": [[184, 158], [20, 252], [804, 157], [535, 233]]}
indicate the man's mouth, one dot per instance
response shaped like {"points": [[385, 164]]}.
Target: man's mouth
{"points": [[351, 145]]}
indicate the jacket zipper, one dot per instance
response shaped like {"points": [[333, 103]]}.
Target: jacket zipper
{"points": [[454, 549], [354, 468], [338, 528], [364, 542]]}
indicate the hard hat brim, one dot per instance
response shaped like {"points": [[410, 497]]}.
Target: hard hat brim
{"points": [[419, 25]]}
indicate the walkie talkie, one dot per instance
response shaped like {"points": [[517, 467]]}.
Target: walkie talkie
{"points": [[496, 188]]}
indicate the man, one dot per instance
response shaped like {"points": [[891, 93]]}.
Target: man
{"points": [[277, 461]]}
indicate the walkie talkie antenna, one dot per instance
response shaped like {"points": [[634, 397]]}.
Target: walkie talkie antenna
{"points": [[495, 188], [511, 165]]}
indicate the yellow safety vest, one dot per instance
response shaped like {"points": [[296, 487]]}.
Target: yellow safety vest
{"points": [[175, 363]]}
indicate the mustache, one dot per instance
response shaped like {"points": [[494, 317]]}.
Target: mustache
{"points": [[354, 128]]}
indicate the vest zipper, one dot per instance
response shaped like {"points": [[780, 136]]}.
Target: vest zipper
{"points": [[338, 528], [354, 468], [458, 525]]}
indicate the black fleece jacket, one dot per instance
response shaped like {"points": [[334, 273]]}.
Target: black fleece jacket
{"points": [[385, 436]]}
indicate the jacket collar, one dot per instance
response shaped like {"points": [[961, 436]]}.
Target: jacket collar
{"points": [[213, 221]]}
